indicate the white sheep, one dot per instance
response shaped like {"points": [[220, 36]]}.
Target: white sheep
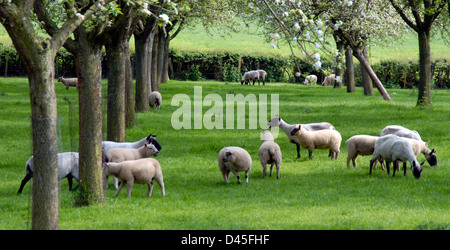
{"points": [[287, 128], [269, 152], [329, 79], [320, 139], [127, 154], [141, 171], [234, 159], [393, 148], [360, 145], [311, 80], [262, 76], [67, 168], [155, 99], [69, 82], [252, 75], [420, 146]]}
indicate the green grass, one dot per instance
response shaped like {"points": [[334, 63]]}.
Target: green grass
{"points": [[311, 194]]}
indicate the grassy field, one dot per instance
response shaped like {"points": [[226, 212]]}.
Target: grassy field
{"points": [[311, 194]]}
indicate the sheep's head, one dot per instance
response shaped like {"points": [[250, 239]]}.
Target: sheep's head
{"points": [[60, 79], [227, 156], [417, 168], [151, 149], [152, 140], [296, 129], [266, 135], [431, 157], [275, 122]]}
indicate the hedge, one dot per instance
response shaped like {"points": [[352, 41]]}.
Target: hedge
{"points": [[225, 66]]}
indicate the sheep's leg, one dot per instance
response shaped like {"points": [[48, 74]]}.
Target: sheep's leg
{"points": [[118, 190], [69, 179], [271, 168], [129, 187], [264, 166], [278, 170], [354, 161], [226, 175], [371, 165], [298, 150], [310, 154], [336, 154], [161, 185], [404, 168], [246, 176], [150, 189], [24, 181], [115, 181]]}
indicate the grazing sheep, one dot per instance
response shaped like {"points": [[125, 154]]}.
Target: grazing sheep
{"points": [[287, 128], [269, 152], [311, 80], [234, 159], [393, 148], [329, 79], [262, 76], [418, 147], [250, 76], [141, 171], [360, 145], [155, 99], [127, 154], [67, 168], [68, 82], [320, 139]]}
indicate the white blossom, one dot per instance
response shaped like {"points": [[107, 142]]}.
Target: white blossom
{"points": [[164, 17], [296, 26]]}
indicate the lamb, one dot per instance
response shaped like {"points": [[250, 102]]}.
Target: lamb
{"points": [[69, 82], [321, 139], [269, 152], [419, 146], [141, 171], [67, 168], [360, 145], [107, 145], [287, 128], [393, 148], [250, 76], [329, 79], [155, 99], [127, 154], [311, 80], [234, 159]]}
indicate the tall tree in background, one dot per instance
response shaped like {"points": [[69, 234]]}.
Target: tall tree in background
{"points": [[420, 15], [38, 55]]}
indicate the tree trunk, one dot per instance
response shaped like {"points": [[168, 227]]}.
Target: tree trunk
{"points": [[115, 52], [162, 58], [350, 72], [154, 63], [425, 79], [339, 70], [142, 82], [366, 81], [165, 72], [90, 118], [130, 115], [365, 63]]}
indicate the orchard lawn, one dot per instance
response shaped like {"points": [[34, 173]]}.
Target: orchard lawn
{"points": [[311, 194]]}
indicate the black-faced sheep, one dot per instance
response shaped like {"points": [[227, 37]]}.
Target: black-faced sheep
{"points": [[67, 168], [392, 148], [142, 171], [234, 159], [69, 82], [320, 139], [269, 153], [155, 99]]}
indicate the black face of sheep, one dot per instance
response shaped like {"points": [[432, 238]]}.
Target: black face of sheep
{"points": [[417, 170], [296, 129], [227, 156], [431, 158], [152, 140]]}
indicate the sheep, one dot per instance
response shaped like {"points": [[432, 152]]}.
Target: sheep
{"points": [[250, 76], [108, 145], [68, 82], [155, 99], [127, 154], [269, 152], [320, 139], [418, 147], [287, 128], [393, 148], [234, 159], [67, 168], [311, 80], [262, 75], [360, 145], [141, 171], [329, 79]]}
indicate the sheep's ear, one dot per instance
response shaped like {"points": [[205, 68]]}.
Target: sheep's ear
{"points": [[421, 164], [433, 151]]}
